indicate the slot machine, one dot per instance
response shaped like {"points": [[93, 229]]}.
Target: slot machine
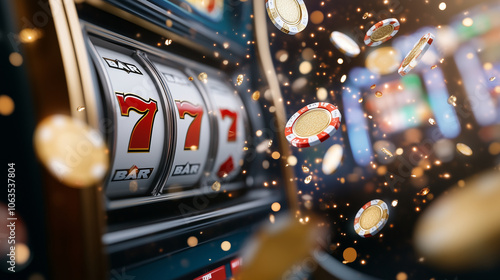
{"points": [[147, 139], [406, 143], [177, 93]]}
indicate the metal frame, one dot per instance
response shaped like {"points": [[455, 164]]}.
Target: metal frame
{"points": [[131, 233]]}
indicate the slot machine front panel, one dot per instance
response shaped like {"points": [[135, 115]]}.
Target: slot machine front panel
{"points": [[140, 130]]}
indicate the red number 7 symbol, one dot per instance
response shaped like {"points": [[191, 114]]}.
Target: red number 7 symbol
{"points": [[193, 133], [231, 134], [140, 138]]}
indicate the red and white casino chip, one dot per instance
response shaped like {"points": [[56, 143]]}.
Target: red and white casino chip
{"points": [[415, 55], [381, 32], [313, 124], [371, 218]]}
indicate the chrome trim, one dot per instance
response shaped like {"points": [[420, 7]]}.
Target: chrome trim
{"points": [[69, 56], [170, 124], [127, 234], [136, 201], [92, 106], [81, 92], [111, 109]]}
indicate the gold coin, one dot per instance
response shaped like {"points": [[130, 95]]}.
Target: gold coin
{"points": [[203, 77], [216, 186], [289, 11], [370, 217], [71, 151], [414, 52], [239, 79], [464, 149], [312, 123], [381, 33]]}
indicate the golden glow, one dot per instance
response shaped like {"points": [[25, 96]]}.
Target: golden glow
{"points": [[350, 254], [402, 275], [22, 253], [133, 186], [308, 179], [322, 94], [467, 22], [216, 186], [239, 80], [192, 241], [317, 17], [282, 55], [464, 149], [16, 59], [6, 105], [73, 152], [275, 155], [203, 77], [292, 160], [225, 246], [28, 35], [305, 67], [256, 95], [494, 148], [305, 169], [276, 206]]}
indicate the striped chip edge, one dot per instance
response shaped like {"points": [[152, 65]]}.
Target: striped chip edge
{"points": [[281, 25], [304, 142], [403, 70], [390, 21], [378, 227]]}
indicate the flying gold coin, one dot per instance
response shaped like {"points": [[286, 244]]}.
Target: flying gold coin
{"points": [[72, 152]]}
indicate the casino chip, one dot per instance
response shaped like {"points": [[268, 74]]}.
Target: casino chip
{"points": [[312, 124], [381, 32], [73, 152], [289, 16], [371, 218], [344, 44], [415, 55]]}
